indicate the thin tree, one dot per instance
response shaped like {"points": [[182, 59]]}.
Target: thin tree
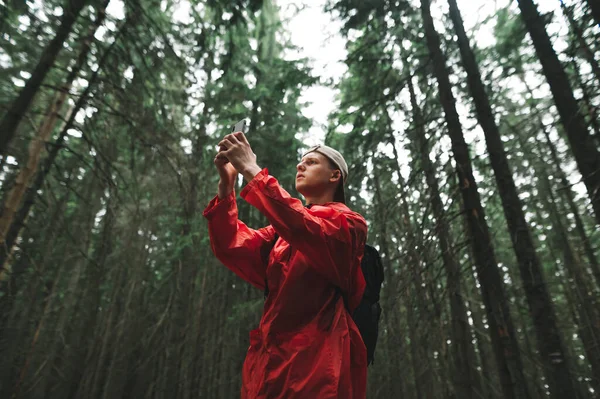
{"points": [[14, 198], [10, 121], [582, 144], [18, 221], [396, 383], [502, 330], [583, 46], [549, 340], [463, 378], [567, 190]]}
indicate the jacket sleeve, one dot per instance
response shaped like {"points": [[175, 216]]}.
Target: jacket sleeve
{"points": [[241, 249], [332, 240]]}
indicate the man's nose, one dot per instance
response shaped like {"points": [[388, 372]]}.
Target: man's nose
{"points": [[300, 167]]}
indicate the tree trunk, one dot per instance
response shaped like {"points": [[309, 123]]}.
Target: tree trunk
{"points": [[200, 314], [549, 340], [463, 377], [89, 205], [586, 153], [584, 386], [415, 356], [94, 386], [489, 387], [423, 344], [14, 331], [588, 313], [585, 304], [32, 353], [564, 288], [11, 119], [126, 336], [502, 331], [568, 193], [566, 187], [18, 221], [96, 276], [15, 196], [587, 100], [394, 345]]}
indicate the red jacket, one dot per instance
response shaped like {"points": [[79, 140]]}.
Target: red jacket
{"points": [[307, 345]]}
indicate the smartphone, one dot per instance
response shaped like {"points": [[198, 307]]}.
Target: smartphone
{"points": [[241, 126]]}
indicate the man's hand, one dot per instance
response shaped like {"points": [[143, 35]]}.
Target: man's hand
{"points": [[228, 176], [237, 150]]}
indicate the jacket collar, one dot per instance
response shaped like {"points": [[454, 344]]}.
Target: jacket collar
{"points": [[335, 205]]}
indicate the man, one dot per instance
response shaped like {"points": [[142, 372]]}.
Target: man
{"points": [[307, 345]]}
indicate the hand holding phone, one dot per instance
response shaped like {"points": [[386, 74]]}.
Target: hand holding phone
{"points": [[241, 126]]}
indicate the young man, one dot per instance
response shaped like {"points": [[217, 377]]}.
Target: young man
{"points": [[307, 345]]}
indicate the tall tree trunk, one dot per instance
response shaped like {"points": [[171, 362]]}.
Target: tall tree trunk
{"points": [[586, 153], [126, 340], [186, 268], [502, 331], [15, 196], [18, 221], [534, 380], [489, 386], [588, 313], [13, 320], [415, 356], [549, 340], [201, 314], [564, 284], [585, 304], [95, 381], [40, 326], [587, 100], [93, 293], [394, 345], [46, 377], [584, 386], [566, 186], [10, 121], [568, 193], [414, 260], [462, 372]]}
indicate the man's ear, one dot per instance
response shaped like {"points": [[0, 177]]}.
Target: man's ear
{"points": [[336, 175]]}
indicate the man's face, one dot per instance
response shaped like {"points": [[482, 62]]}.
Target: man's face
{"points": [[314, 174]]}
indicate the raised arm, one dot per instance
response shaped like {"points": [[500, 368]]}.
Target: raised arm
{"points": [[240, 248], [333, 239]]}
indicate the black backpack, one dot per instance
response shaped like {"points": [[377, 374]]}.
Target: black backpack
{"points": [[367, 314]]}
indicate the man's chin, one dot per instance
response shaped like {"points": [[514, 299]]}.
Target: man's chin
{"points": [[300, 187]]}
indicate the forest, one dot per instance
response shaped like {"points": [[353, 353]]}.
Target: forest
{"points": [[473, 146]]}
